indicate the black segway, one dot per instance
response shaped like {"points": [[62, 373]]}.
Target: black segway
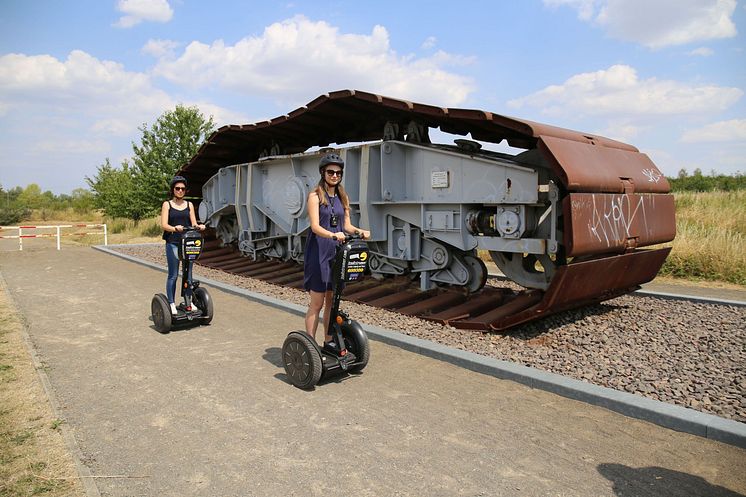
{"points": [[197, 307], [305, 362]]}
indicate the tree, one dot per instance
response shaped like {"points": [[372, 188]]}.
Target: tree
{"points": [[82, 200], [31, 197], [138, 190], [165, 148], [112, 189]]}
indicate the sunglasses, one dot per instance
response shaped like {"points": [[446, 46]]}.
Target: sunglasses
{"points": [[330, 172], [179, 188]]}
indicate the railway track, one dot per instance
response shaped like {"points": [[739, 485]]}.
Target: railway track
{"points": [[484, 310]]}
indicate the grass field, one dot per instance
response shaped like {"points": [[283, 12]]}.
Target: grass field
{"points": [[710, 239]]}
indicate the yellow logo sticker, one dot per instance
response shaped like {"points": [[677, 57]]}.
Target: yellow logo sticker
{"points": [[363, 256]]}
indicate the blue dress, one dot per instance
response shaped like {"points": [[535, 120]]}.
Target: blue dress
{"points": [[319, 253]]}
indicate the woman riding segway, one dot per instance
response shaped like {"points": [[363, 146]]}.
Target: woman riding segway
{"points": [[329, 213], [183, 243]]}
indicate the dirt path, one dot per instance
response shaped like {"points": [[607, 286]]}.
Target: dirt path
{"points": [[208, 412]]}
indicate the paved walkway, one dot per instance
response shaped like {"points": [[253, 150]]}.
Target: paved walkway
{"points": [[208, 411]]}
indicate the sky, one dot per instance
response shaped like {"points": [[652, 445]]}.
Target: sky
{"points": [[78, 78]]}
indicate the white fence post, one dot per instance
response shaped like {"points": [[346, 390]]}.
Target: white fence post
{"points": [[58, 237], [20, 238], [106, 237]]}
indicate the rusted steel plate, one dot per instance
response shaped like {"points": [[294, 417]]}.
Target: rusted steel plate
{"points": [[222, 260], [376, 292], [512, 306], [208, 255], [477, 304], [399, 299], [585, 167], [290, 278], [238, 265], [281, 271], [588, 282], [433, 304], [597, 223]]}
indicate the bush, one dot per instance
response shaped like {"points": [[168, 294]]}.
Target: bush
{"points": [[12, 215]]}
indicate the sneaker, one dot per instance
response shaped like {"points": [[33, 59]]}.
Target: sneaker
{"points": [[331, 347], [173, 309]]}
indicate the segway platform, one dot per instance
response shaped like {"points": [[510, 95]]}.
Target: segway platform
{"points": [[305, 362]]}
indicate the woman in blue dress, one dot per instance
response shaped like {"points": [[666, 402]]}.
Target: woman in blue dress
{"points": [[329, 213]]}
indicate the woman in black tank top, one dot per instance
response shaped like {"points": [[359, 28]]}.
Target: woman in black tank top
{"points": [[176, 214]]}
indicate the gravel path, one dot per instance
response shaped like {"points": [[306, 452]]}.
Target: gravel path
{"points": [[681, 352]]}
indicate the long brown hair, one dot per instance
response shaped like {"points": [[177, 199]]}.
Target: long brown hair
{"points": [[341, 193]]}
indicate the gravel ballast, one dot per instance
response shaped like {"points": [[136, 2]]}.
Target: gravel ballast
{"points": [[677, 351]]}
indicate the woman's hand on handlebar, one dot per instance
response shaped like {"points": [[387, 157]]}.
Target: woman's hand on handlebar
{"points": [[179, 228], [201, 227], [340, 236]]}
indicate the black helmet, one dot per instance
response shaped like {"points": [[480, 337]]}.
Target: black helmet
{"points": [[331, 159], [178, 179]]}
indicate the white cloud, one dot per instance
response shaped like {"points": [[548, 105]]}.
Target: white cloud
{"points": [[81, 83], [429, 42], [658, 23], [702, 52], [618, 92], [298, 59], [137, 11], [585, 8], [733, 130], [160, 48]]}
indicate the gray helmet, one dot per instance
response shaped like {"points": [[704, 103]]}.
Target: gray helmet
{"points": [[177, 179], [331, 159]]}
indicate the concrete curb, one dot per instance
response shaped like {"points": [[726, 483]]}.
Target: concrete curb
{"points": [[660, 413]]}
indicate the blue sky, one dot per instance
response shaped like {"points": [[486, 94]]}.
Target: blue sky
{"points": [[77, 78]]}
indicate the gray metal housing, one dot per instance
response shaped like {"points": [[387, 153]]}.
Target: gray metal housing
{"points": [[429, 209]]}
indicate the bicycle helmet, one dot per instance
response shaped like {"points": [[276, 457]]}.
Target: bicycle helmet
{"points": [[177, 179], [331, 159]]}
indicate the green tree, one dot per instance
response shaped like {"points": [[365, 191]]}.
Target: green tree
{"points": [[31, 197], [164, 149], [82, 200], [112, 189]]}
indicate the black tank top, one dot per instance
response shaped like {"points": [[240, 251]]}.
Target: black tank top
{"points": [[176, 217]]}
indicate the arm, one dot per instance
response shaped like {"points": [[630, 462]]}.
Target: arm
{"points": [[193, 218], [350, 228], [313, 216]]}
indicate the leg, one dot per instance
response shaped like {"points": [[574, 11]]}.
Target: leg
{"points": [[327, 310], [172, 258], [312, 314]]}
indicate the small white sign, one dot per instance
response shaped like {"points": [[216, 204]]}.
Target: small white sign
{"points": [[439, 179]]}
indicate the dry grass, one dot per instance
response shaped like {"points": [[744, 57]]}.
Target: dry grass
{"points": [[33, 456], [710, 241]]}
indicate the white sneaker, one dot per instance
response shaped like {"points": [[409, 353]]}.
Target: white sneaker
{"points": [[173, 309]]}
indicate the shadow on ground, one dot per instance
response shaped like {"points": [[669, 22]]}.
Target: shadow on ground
{"points": [[653, 481]]}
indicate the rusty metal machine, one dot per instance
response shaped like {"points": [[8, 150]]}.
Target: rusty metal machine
{"points": [[566, 218]]}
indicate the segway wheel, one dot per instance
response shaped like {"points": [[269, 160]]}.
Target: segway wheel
{"points": [[161, 313], [357, 342], [302, 360], [204, 303]]}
